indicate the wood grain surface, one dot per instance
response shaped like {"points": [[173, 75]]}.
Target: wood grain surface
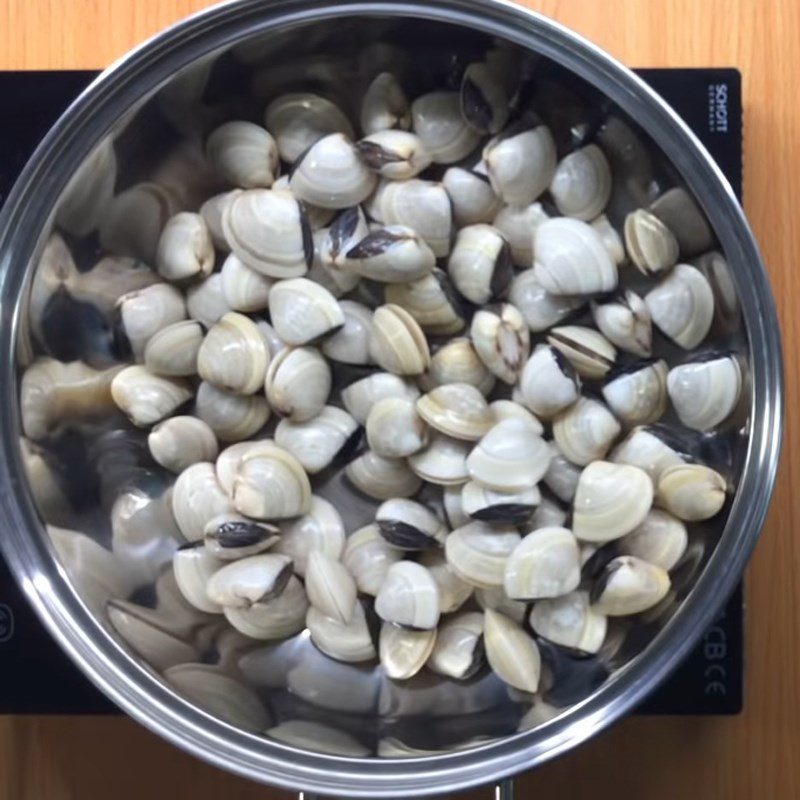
{"points": [[754, 755]]}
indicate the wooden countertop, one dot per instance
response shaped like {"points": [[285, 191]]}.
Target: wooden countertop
{"points": [[754, 755]]}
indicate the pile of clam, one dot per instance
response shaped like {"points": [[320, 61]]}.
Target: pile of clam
{"points": [[429, 306]]}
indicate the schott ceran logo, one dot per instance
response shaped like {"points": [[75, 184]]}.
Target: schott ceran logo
{"points": [[718, 107]]}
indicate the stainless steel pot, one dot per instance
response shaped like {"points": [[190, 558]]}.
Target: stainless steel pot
{"points": [[140, 102]]}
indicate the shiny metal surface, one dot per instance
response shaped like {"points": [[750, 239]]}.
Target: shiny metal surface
{"points": [[479, 731]]}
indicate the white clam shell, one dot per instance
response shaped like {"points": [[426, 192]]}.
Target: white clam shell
{"points": [[480, 264], [457, 652], [211, 211], [478, 552], [330, 587], [243, 154], [382, 478], [403, 652], [705, 393], [548, 514], [570, 258], [484, 101], [197, 497], [232, 417], [611, 500], [691, 492], [626, 323], [585, 431], [193, 567], [453, 591], [442, 461], [231, 536], [588, 351], [438, 122], [548, 383], [315, 443], [682, 306], [393, 254], [581, 185], [496, 599], [350, 344], [395, 429], [540, 309], [546, 563], [456, 409], [409, 525], [178, 442], [454, 507], [480, 502], [144, 312], [629, 585], [277, 618], [502, 340], [368, 557], [302, 312], [471, 196], [509, 409], [511, 653], [398, 344], [318, 738], [521, 166], [331, 174], [457, 361], [570, 621], [148, 398], [184, 248], [384, 105], [394, 154], [650, 243], [298, 383], [349, 642], [173, 350], [660, 539], [431, 301], [321, 528], [243, 288], [518, 225], [511, 457], [562, 475], [361, 395], [612, 241], [638, 396], [205, 301], [645, 449], [409, 596]]}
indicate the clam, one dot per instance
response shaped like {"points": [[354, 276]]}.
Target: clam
{"points": [[317, 442], [398, 344], [347, 230], [562, 475], [368, 557], [243, 288], [384, 105], [727, 308], [511, 457], [184, 248], [471, 196], [274, 343], [330, 587], [318, 738], [484, 102], [394, 154], [193, 566], [394, 254], [510, 409], [267, 231], [637, 393], [659, 539], [395, 429], [277, 618], [43, 481], [409, 525], [625, 322], [650, 243], [588, 351], [256, 579], [521, 165], [132, 221], [502, 340], [232, 417], [453, 506], [53, 393], [431, 300], [570, 258], [549, 513], [382, 478], [546, 563], [692, 492], [481, 503], [243, 154], [303, 312], [148, 635], [234, 355], [548, 383], [518, 225], [409, 597], [705, 392], [146, 398], [540, 309], [350, 344], [298, 383], [453, 591], [480, 264], [611, 239], [143, 313], [320, 529], [403, 652], [581, 185], [495, 598], [211, 211], [270, 484], [230, 537], [682, 306], [647, 449], [679, 212], [178, 442], [511, 653], [198, 497], [331, 174], [627, 586], [205, 301], [442, 461], [219, 694], [478, 552], [350, 642], [228, 461], [585, 431], [611, 500], [361, 395], [458, 651], [570, 621], [173, 350], [300, 119], [456, 409], [423, 206], [437, 120]]}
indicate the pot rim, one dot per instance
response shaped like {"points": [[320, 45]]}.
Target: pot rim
{"points": [[138, 690]]}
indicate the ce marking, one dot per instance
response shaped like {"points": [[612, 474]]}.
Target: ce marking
{"points": [[715, 676]]}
